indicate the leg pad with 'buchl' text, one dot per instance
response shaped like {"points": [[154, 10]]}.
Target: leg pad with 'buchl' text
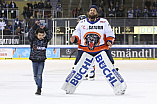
{"points": [[110, 73], [78, 73]]}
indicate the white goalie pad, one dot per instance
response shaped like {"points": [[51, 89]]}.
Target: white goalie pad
{"points": [[111, 74], [77, 74]]}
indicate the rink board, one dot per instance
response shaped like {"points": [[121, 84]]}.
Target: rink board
{"points": [[69, 52]]}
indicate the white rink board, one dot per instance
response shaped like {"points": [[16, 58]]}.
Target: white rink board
{"points": [[17, 85]]}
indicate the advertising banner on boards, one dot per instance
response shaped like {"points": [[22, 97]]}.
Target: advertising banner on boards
{"points": [[116, 52], [68, 52], [25, 52], [53, 53], [6, 52], [132, 52], [21, 52]]}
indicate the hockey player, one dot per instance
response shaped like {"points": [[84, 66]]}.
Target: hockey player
{"points": [[94, 36], [38, 42], [74, 40], [91, 75]]}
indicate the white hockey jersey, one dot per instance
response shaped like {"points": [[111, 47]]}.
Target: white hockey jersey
{"points": [[93, 36]]}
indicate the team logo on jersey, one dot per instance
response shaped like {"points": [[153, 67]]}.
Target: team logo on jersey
{"points": [[92, 39]]}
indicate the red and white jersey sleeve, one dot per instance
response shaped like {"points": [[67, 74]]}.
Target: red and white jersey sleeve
{"points": [[92, 36]]}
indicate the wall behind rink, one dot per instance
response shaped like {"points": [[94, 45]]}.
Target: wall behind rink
{"points": [[119, 52]]}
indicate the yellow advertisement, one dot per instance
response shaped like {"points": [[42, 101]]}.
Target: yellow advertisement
{"points": [[145, 29]]}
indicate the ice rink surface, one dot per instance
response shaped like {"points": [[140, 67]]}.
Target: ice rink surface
{"points": [[17, 85]]}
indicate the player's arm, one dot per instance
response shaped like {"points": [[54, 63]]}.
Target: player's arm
{"points": [[48, 33], [109, 34], [31, 33], [76, 35]]}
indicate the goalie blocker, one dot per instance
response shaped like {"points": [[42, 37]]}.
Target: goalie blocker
{"points": [[83, 66]]}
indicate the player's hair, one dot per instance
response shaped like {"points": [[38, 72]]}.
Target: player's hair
{"points": [[40, 30]]}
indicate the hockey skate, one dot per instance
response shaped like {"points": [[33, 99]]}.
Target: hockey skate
{"points": [[120, 90], [86, 77], [117, 69], [92, 75]]}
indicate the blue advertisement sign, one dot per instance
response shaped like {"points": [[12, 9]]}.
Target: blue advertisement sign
{"points": [[21, 52], [52, 53], [25, 52]]}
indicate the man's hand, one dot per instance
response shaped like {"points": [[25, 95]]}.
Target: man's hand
{"points": [[72, 39], [109, 44], [37, 22]]}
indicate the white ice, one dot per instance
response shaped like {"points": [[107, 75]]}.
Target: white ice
{"points": [[17, 85]]}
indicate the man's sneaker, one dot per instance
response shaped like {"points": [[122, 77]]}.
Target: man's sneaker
{"points": [[38, 91]]}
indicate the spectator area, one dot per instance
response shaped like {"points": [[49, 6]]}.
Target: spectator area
{"points": [[69, 5]]}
